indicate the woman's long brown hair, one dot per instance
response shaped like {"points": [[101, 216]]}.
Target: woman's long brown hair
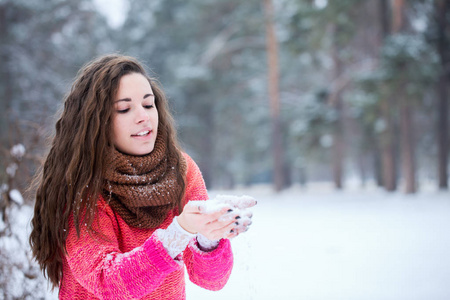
{"points": [[70, 179]]}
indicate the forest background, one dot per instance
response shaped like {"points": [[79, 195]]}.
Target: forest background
{"points": [[279, 92], [286, 92]]}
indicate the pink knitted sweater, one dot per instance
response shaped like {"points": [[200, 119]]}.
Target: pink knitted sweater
{"points": [[124, 262]]}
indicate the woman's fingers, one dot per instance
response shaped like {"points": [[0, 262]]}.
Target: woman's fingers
{"points": [[193, 207], [225, 211], [211, 209], [243, 226], [220, 227], [221, 233], [239, 221], [221, 223]]}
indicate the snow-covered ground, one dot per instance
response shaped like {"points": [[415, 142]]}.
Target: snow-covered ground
{"points": [[318, 243]]}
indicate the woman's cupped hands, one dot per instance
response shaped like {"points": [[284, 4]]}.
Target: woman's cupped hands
{"points": [[225, 216]]}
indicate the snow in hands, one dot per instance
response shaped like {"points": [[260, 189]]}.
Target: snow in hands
{"points": [[240, 202], [221, 201], [239, 205]]}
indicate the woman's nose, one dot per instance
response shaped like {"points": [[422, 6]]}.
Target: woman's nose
{"points": [[142, 115]]}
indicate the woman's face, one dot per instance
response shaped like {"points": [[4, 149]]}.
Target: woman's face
{"points": [[135, 117]]}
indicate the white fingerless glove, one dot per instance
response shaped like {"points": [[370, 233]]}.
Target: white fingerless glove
{"points": [[174, 238], [205, 244]]}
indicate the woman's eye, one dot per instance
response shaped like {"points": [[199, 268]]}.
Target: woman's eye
{"points": [[148, 106], [122, 111]]}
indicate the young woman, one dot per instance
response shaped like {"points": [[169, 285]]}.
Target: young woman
{"points": [[113, 217]]}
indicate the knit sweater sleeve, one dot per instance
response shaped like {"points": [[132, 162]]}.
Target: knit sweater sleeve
{"points": [[101, 268], [212, 269]]}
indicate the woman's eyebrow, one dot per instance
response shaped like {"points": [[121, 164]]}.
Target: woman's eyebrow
{"points": [[129, 99], [124, 99]]}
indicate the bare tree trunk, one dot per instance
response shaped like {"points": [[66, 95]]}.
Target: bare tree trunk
{"points": [[6, 92], [338, 144], [274, 95], [377, 168], [387, 151], [442, 9], [407, 147], [398, 22], [385, 20], [406, 125], [336, 101], [443, 133]]}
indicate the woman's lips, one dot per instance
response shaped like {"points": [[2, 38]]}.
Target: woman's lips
{"points": [[142, 133]]}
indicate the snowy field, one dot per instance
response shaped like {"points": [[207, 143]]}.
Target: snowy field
{"points": [[353, 245], [317, 243]]}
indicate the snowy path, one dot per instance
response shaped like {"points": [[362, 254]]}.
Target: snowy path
{"points": [[341, 245]]}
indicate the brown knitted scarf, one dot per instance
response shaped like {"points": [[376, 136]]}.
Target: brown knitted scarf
{"points": [[143, 189]]}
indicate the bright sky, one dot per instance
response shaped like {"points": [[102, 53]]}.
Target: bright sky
{"points": [[114, 10]]}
